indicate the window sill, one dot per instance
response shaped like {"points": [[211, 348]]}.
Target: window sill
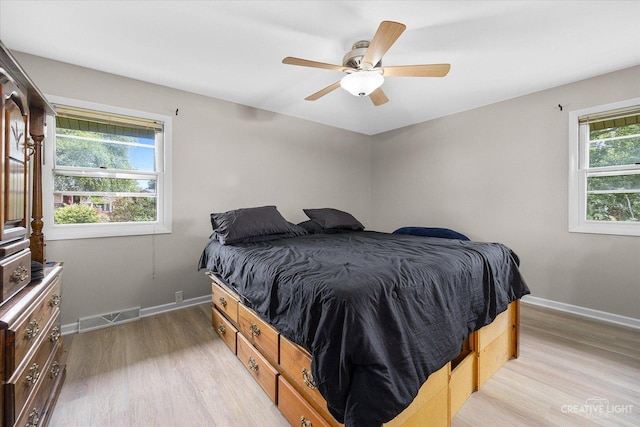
{"points": [[620, 229], [92, 231]]}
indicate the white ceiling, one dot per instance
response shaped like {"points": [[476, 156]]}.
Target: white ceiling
{"points": [[232, 50]]}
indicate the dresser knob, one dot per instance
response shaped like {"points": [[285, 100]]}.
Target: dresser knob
{"points": [[55, 334], [222, 329], [305, 422], [32, 330], [33, 376], [55, 369], [223, 302], [55, 300], [21, 273], [33, 419]]}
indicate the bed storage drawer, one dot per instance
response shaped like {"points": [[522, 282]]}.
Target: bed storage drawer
{"points": [[485, 335], [496, 343], [259, 333], [295, 409], [224, 328], [463, 381], [225, 301], [295, 363], [259, 367], [493, 356]]}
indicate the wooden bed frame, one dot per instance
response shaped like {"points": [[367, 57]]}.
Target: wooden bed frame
{"points": [[283, 369]]}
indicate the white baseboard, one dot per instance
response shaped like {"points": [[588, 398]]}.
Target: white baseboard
{"points": [[72, 328], [630, 322]]}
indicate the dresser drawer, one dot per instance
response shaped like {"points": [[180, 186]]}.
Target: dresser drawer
{"points": [[259, 333], [224, 329], [259, 367], [25, 381], [15, 271], [31, 326], [39, 407], [225, 301], [295, 409]]}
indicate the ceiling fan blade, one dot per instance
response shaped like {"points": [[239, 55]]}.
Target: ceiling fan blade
{"points": [[430, 70], [314, 64], [378, 97], [386, 35], [323, 92]]}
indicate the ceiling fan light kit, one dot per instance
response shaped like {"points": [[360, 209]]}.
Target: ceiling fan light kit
{"points": [[362, 83], [363, 77]]}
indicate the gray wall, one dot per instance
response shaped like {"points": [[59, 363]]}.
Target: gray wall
{"points": [[500, 173], [496, 173], [225, 156]]}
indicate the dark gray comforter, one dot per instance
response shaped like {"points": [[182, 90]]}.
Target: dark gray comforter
{"points": [[378, 312]]}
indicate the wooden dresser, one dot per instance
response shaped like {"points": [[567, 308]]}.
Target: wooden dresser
{"points": [[32, 371], [30, 357]]}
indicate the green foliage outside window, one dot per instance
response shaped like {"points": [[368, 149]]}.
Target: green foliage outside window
{"points": [[75, 214], [617, 146], [86, 149]]}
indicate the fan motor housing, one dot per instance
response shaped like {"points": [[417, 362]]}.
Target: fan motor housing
{"points": [[353, 58]]}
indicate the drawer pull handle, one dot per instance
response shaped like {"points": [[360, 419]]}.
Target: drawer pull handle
{"points": [[33, 419], [305, 422], [223, 302], [222, 329], [54, 301], [255, 331], [307, 378], [33, 376], [253, 365], [32, 330], [55, 369], [55, 334], [21, 273]]}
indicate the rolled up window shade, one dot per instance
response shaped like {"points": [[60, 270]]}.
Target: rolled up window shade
{"points": [[611, 119], [114, 124]]}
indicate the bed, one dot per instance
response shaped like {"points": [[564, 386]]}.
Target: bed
{"points": [[373, 315]]}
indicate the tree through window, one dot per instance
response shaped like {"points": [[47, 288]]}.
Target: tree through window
{"points": [[104, 166]]}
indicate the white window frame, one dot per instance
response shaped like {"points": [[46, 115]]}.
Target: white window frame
{"points": [[578, 169], [85, 231]]}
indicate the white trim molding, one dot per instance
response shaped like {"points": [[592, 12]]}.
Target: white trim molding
{"points": [[578, 223], [603, 316], [163, 173]]}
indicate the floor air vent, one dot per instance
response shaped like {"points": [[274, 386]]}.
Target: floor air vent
{"points": [[100, 321]]}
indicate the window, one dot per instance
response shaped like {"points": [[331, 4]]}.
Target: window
{"points": [[604, 179], [106, 172]]}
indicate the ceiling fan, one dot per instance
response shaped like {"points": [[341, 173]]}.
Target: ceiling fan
{"points": [[363, 65]]}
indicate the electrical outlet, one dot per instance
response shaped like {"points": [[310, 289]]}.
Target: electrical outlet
{"points": [[178, 296]]}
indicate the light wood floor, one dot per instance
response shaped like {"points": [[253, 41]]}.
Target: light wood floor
{"points": [[172, 370]]}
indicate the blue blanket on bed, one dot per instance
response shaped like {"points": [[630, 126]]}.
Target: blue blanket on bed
{"points": [[444, 233]]}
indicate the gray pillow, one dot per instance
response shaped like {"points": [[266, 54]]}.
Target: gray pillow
{"points": [[240, 224], [331, 219]]}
